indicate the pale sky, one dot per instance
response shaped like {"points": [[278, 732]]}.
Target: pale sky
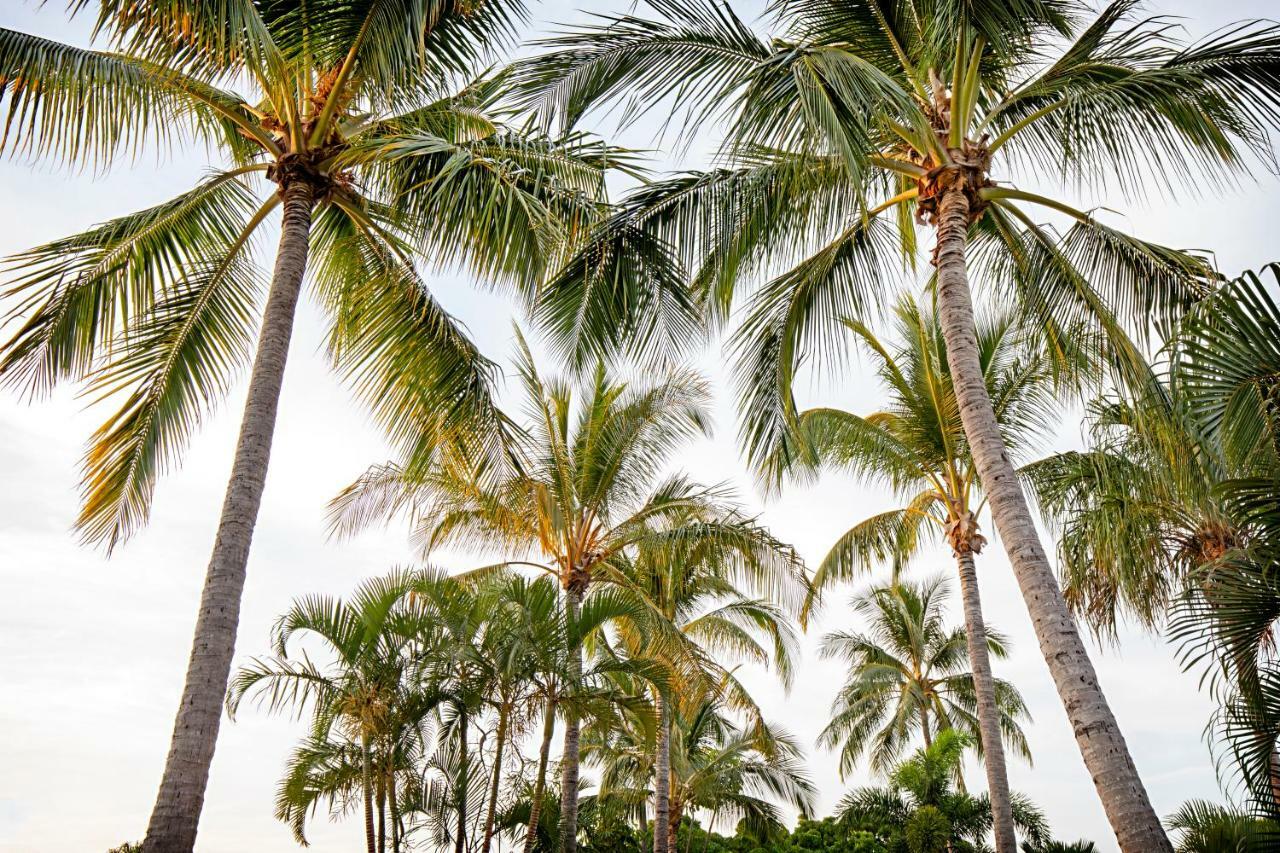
{"points": [[93, 650]]}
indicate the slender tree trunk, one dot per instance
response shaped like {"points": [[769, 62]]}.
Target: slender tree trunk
{"points": [[366, 780], [176, 814], [540, 783], [396, 830], [662, 780], [984, 689], [924, 726], [500, 742], [572, 732], [673, 827], [460, 843], [706, 839], [382, 815], [1101, 743]]}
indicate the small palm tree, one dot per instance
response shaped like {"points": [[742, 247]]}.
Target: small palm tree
{"points": [[363, 702], [859, 120], [364, 131], [584, 491], [535, 644], [740, 773], [1208, 828], [689, 577], [916, 444], [909, 675], [919, 810]]}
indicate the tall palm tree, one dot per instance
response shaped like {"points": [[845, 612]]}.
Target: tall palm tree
{"points": [[860, 118], [916, 445], [690, 577], [584, 490], [360, 131], [909, 675]]}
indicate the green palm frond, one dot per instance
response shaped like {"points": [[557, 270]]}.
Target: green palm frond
{"points": [[1126, 102], [88, 107], [78, 295], [402, 352], [796, 317], [696, 59], [175, 365]]}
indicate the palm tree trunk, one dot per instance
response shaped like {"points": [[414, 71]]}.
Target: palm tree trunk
{"points": [[366, 774], [176, 814], [540, 783], [984, 689], [382, 815], [460, 843], [1101, 743], [572, 733], [500, 742], [924, 725], [396, 829], [662, 779], [673, 827]]}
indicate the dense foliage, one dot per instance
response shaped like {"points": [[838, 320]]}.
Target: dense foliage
{"points": [[600, 594]]}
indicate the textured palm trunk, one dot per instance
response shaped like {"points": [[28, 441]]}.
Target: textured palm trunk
{"points": [[500, 741], [176, 814], [1101, 743], [460, 843], [540, 783], [382, 815], [662, 780], [984, 689], [396, 830], [366, 781], [673, 827], [572, 735]]}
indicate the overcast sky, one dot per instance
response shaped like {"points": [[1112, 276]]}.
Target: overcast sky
{"points": [[93, 650]]}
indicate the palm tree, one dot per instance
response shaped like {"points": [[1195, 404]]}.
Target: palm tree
{"points": [[363, 694], [689, 577], [1226, 361], [583, 491], [734, 772], [1207, 828], [536, 644], [858, 119], [359, 133], [907, 675], [1140, 513], [916, 445], [919, 811]]}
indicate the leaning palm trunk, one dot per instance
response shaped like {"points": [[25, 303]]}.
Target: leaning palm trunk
{"points": [[662, 780], [540, 784], [504, 713], [176, 814], [984, 690], [1106, 755], [572, 732]]}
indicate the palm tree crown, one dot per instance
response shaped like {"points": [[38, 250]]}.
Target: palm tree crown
{"points": [[909, 675]]}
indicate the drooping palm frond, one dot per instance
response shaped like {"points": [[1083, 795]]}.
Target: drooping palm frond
{"points": [[87, 107], [78, 295]]}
